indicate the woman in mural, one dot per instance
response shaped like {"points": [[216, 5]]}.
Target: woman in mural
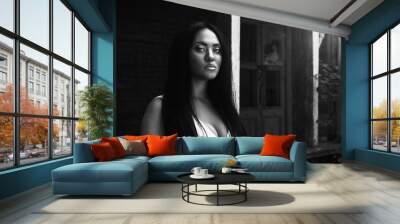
{"points": [[198, 97]]}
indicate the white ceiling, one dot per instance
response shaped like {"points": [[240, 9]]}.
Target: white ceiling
{"points": [[320, 9], [313, 15]]}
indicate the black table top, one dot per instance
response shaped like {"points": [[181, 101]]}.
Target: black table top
{"points": [[220, 178]]}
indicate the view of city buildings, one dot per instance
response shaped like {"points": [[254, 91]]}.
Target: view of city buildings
{"points": [[34, 88]]}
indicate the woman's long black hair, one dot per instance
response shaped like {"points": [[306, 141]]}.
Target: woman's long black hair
{"points": [[177, 108]]}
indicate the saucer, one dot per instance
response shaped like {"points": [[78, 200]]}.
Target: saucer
{"points": [[208, 176], [240, 171]]}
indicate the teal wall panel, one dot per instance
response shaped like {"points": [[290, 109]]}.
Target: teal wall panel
{"points": [[24, 178], [356, 104], [356, 99], [379, 159], [103, 51]]}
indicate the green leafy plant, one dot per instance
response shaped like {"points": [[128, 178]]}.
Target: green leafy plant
{"points": [[96, 104]]}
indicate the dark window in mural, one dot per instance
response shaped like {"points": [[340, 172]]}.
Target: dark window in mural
{"points": [[291, 89], [384, 92]]}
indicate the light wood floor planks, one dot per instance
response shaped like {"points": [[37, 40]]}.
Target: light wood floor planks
{"points": [[378, 190]]}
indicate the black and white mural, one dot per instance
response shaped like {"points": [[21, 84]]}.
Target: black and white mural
{"points": [[196, 72]]}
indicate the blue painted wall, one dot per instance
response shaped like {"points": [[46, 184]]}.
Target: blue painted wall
{"points": [[103, 50], [100, 16], [356, 102], [24, 178]]}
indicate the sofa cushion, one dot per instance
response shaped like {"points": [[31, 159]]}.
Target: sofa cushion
{"points": [[161, 145], [257, 163], [185, 163], [133, 147], [249, 145], [103, 151], [277, 145], [111, 171], [133, 158], [116, 145], [207, 145]]}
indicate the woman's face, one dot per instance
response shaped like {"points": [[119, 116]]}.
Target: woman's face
{"points": [[205, 55]]}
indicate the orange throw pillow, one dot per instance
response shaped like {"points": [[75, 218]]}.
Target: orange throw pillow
{"points": [[277, 145], [116, 145], [161, 145], [103, 151], [136, 137]]}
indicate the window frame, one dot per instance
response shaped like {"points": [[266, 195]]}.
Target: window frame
{"points": [[16, 114], [388, 74]]}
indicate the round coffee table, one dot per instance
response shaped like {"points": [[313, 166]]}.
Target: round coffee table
{"points": [[238, 179]]}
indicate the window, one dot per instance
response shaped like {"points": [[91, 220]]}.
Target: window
{"points": [[81, 45], [6, 85], [62, 75], [30, 87], [54, 125], [43, 90], [3, 77], [55, 97], [3, 61], [30, 72], [62, 30], [81, 81], [34, 22], [384, 91], [3, 72], [38, 89], [7, 14], [38, 74]]}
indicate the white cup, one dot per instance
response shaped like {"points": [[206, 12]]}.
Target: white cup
{"points": [[196, 170], [226, 170], [203, 172]]}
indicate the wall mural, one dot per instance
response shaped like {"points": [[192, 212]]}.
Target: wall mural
{"points": [[288, 79]]}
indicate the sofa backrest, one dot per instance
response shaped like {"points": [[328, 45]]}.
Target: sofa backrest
{"points": [[206, 145], [190, 146], [249, 145], [83, 153]]}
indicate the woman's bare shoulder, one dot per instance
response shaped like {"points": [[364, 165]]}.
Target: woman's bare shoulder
{"points": [[152, 118], [155, 104]]}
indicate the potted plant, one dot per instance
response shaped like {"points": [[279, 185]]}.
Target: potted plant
{"points": [[96, 103]]}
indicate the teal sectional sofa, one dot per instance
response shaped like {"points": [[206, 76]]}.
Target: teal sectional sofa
{"points": [[125, 176]]}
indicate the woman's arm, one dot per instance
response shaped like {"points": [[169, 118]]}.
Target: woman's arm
{"points": [[152, 118]]}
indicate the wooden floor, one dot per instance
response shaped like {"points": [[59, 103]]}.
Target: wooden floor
{"points": [[377, 188]]}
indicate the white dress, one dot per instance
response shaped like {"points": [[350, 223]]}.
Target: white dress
{"points": [[205, 129]]}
